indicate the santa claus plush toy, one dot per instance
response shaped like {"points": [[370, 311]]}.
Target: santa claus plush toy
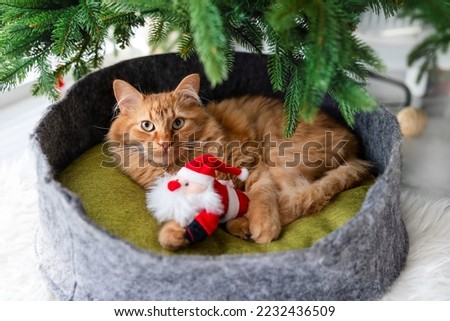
{"points": [[196, 199]]}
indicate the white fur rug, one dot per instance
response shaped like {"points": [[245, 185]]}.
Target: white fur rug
{"points": [[19, 275], [426, 276]]}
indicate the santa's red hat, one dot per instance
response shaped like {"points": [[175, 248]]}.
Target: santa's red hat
{"points": [[202, 170]]}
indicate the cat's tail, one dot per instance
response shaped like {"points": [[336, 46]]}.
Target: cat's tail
{"points": [[306, 200]]}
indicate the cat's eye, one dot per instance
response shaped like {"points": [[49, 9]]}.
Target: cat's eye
{"points": [[147, 126], [178, 123]]}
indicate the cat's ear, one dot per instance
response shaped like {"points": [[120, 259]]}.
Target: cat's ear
{"points": [[126, 95], [189, 87]]}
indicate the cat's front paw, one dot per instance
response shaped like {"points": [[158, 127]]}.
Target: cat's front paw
{"points": [[239, 227], [264, 230], [171, 237]]}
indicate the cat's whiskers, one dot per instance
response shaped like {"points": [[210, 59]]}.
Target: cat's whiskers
{"points": [[134, 155], [99, 127], [134, 150], [196, 142]]}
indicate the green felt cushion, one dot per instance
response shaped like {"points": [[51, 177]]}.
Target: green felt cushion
{"points": [[116, 203]]}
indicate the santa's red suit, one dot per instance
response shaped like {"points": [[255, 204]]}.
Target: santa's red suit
{"points": [[234, 202]]}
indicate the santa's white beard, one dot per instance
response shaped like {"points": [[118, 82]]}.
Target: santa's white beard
{"points": [[166, 205]]}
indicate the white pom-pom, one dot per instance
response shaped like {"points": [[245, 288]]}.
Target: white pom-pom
{"points": [[244, 174]]}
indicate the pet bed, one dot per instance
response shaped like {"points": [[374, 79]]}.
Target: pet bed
{"points": [[83, 260]]}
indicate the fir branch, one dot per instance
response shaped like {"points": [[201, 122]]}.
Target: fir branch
{"points": [[159, 31], [229, 54], [320, 62], [141, 5], [67, 32], [89, 15], [123, 20], [25, 4], [351, 97], [248, 33], [47, 80], [98, 52], [313, 47], [110, 17], [389, 8], [123, 32], [186, 46], [14, 72], [29, 23], [80, 65], [292, 101], [435, 13], [277, 70], [364, 54], [209, 39], [22, 48], [93, 32], [282, 13]]}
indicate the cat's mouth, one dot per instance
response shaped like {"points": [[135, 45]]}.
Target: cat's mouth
{"points": [[161, 157], [174, 155]]}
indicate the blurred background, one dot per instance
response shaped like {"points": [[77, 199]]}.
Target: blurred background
{"points": [[426, 165]]}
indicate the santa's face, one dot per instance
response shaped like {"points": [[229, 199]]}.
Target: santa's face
{"points": [[174, 198], [190, 188]]}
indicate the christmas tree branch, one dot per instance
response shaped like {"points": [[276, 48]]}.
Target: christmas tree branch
{"points": [[209, 39], [312, 47]]}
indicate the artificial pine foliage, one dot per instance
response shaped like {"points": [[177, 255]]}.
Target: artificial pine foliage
{"points": [[311, 43]]}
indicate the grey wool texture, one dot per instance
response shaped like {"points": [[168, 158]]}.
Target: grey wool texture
{"points": [[82, 261]]}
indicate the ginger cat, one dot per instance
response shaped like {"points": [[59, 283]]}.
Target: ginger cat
{"points": [[289, 177]]}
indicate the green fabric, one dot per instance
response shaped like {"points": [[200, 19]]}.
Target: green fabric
{"points": [[116, 203]]}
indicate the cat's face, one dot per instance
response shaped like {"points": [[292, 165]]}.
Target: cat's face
{"points": [[161, 126]]}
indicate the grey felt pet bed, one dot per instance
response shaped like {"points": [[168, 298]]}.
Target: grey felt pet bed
{"points": [[82, 261]]}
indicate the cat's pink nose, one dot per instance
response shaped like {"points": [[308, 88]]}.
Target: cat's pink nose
{"points": [[164, 145]]}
